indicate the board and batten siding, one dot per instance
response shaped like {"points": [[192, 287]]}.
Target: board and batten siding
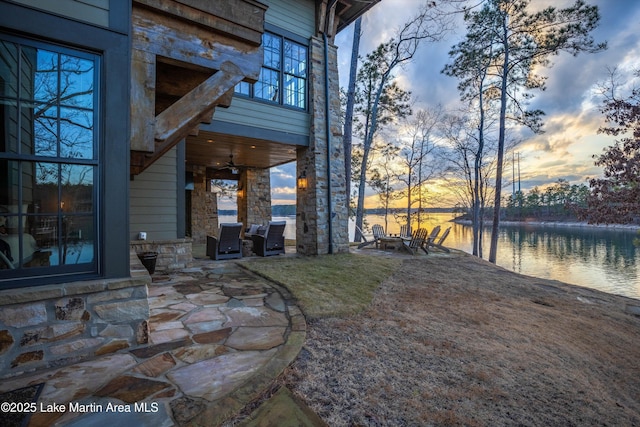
{"points": [[297, 16], [153, 207]]}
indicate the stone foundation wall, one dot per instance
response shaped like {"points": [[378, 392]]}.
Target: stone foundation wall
{"points": [[313, 212], [172, 254], [56, 325]]}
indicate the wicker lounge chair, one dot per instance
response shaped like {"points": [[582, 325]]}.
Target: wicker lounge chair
{"points": [[228, 244], [272, 241]]}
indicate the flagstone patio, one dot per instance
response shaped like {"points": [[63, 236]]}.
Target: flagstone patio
{"points": [[219, 335]]}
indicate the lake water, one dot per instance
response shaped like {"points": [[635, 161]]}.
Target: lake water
{"points": [[601, 259]]}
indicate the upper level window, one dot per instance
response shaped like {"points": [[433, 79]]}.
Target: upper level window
{"points": [[283, 76], [48, 160]]}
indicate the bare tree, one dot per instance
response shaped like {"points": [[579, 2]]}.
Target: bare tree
{"points": [[376, 76], [473, 165], [516, 43], [417, 161], [383, 176]]}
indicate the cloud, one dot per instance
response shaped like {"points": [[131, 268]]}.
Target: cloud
{"points": [[283, 176], [570, 101]]}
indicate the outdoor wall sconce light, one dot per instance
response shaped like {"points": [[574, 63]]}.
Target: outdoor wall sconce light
{"points": [[302, 181], [240, 193]]}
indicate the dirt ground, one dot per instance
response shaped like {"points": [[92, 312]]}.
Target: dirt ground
{"points": [[452, 340]]}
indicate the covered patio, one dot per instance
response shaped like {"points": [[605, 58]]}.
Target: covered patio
{"points": [[203, 109]]}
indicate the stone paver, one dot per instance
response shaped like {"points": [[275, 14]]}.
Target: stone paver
{"points": [[248, 338], [219, 335]]}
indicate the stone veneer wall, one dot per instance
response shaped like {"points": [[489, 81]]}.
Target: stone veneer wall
{"points": [[204, 207], [56, 325], [172, 254], [312, 229], [255, 205]]}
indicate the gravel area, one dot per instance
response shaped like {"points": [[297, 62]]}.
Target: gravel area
{"points": [[453, 340]]}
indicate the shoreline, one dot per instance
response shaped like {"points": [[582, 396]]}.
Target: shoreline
{"points": [[567, 224]]}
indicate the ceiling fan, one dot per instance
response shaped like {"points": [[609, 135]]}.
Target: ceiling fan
{"points": [[235, 169]]}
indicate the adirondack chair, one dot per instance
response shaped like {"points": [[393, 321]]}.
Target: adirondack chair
{"points": [[438, 243], [272, 241], [365, 241], [417, 241], [378, 232], [228, 244], [432, 237], [404, 232]]}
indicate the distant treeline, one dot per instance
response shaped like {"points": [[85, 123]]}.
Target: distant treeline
{"points": [[290, 210], [381, 211], [560, 202]]}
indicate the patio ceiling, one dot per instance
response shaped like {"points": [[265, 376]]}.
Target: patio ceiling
{"points": [[212, 150]]}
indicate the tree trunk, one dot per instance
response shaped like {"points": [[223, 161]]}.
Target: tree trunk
{"points": [[370, 130], [493, 250], [348, 122]]}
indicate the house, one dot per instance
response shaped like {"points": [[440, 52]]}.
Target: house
{"points": [[116, 116]]}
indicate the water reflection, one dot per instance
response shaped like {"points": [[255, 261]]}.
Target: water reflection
{"points": [[601, 259]]}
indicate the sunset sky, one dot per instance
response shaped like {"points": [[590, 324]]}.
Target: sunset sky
{"points": [[572, 108]]}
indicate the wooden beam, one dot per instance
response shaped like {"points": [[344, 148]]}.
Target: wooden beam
{"points": [[224, 101], [332, 24], [178, 40], [176, 80], [143, 81], [186, 112], [206, 117], [138, 162], [195, 131], [183, 117], [321, 16], [240, 19]]}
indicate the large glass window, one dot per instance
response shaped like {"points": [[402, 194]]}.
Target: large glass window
{"points": [[48, 160], [283, 77]]}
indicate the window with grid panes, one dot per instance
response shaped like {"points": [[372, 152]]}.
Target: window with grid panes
{"points": [[49, 165], [283, 76]]}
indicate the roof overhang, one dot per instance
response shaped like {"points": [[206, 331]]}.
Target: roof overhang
{"points": [[348, 11]]}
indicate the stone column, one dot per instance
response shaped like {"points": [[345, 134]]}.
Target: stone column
{"points": [[313, 210], [254, 197], [204, 207]]}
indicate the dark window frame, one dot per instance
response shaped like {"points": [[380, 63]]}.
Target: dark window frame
{"points": [[114, 45], [33, 275], [247, 90]]}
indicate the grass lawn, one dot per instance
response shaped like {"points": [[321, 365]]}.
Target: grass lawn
{"points": [[328, 285]]}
